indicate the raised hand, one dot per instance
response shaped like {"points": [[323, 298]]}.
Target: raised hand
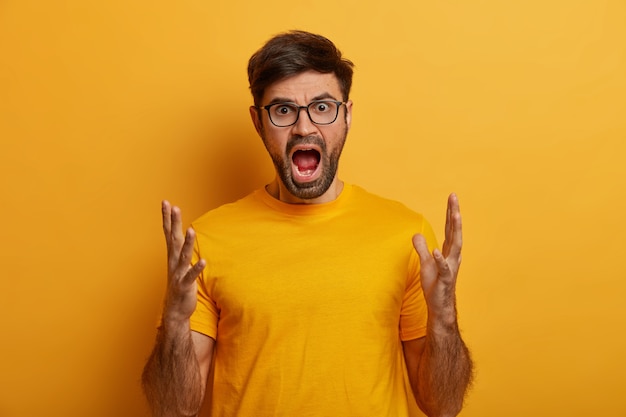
{"points": [[439, 270], [440, 366], [180, 296]]}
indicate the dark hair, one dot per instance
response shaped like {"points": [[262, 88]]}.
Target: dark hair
{"points": [[294, 52]]}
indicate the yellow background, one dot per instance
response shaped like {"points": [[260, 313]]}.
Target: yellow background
{"points": [[519, 106]]}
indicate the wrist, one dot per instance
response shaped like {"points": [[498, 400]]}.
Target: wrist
{"points": [[175, 315], [174, 324], [442, 322]]}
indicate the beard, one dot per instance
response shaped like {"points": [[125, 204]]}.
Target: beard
{"points": [[328, 161]]}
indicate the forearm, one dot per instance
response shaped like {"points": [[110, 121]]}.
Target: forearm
{"points": [[171, 378], [445, 369]]}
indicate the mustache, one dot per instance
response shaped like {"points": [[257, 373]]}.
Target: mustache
{"points": [[296, 140]]}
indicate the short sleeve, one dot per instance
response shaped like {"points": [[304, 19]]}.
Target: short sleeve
{"points": [[204, 319], [414, 313]]}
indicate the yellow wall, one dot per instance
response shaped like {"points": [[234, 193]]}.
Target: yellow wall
{"points": [[108, 107]]}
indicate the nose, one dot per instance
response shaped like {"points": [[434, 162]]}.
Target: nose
{"points": [[304, 126]]}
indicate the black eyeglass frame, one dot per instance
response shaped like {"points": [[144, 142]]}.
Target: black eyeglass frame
{"points": [[299, 108]]}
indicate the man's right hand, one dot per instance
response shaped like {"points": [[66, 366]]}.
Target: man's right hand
{"points": [[174, 378], [180, 296]]}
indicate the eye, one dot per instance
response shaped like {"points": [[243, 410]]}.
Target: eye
{"points": [[283, 109], [322, 106]]}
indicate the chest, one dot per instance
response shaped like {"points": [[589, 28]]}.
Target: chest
{"points": [[303, 278]]}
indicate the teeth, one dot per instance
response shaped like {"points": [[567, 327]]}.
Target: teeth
{"points": [[306, 172]]}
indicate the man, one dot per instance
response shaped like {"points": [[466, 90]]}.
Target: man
{"points": [[309, 297]]}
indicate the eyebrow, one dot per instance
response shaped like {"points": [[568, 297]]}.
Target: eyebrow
{"points": [[323, 96]]}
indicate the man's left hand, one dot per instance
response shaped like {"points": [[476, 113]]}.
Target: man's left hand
{"points": [[439, 270]]}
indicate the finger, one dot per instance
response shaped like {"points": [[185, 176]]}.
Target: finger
{"points": [[193, 273], [187, 249], [446, 273], [428, 268], [177, 229], [449, 230], [448, 216], [166, 212], [421, 247], [175, 241], [456, 239]]}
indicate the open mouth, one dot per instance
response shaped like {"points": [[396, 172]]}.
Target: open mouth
{"points": [[306, 162]]}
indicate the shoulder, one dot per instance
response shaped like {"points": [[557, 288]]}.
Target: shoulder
{"points": [[230, 212], [374, 204], [384, 214]]}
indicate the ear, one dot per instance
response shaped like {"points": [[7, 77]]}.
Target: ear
{"points": [[348, 113], [256, 119]]}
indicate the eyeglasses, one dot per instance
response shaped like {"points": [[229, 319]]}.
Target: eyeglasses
{"points": [[321, 112]]}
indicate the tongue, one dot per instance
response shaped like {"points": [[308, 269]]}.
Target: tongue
{"points": [[305, 160]]}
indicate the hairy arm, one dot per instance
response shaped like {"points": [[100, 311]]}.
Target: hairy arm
{"points": [[439, 365], [440, 372], [174, 377]]}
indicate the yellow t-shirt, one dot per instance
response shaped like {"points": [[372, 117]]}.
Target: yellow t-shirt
{"points": [[309, 305]]}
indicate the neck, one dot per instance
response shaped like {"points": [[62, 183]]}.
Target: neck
{"points": [[277, 190]]}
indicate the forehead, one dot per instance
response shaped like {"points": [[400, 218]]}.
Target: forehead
{"points": [[304, 87]]}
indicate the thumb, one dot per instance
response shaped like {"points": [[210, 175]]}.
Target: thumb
{"points": [[428, 267], [421, 247]]}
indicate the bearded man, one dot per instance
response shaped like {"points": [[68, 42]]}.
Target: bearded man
{"points": [[310, 296]]}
